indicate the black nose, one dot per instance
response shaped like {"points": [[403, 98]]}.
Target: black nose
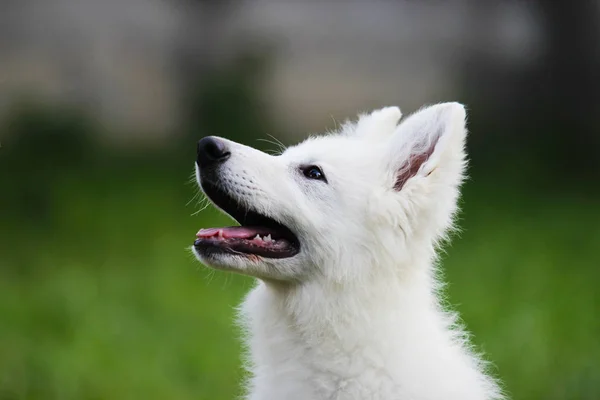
{"points": [[211, 150]]}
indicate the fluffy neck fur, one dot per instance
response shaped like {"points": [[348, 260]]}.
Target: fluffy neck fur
{"points": [[387, 338]]}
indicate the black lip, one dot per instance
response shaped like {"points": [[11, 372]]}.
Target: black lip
{"points": [[245, 217], [237, 246]]}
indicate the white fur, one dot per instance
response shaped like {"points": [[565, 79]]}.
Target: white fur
{"points": [[357, 313]]}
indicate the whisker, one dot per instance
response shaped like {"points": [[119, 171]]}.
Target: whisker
{"points": [[276, 142]]}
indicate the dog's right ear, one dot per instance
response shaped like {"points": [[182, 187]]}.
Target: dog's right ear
{"points": [[432, 138], [379, 123]]}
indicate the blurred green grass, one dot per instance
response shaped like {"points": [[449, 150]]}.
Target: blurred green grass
{"points": [[99, 298]]}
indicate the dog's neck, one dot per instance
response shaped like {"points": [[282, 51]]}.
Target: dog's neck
{"points": [[344, 313], [314, 336]]}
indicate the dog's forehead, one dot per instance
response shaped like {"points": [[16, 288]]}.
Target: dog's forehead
{"points": [[329, 148]]}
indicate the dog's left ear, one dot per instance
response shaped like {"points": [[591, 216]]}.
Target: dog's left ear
{"points": [[432, 138], [379, 123]]}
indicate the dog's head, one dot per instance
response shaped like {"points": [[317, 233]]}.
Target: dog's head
{"points": [[374, 195]]}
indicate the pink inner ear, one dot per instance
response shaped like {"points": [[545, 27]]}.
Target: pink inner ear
{"points": [[411, 168]]}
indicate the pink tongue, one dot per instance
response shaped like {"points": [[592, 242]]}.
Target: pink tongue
{"points": [[233, 232]]}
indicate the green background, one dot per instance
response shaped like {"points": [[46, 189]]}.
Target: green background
{"points": [[100, 297]]}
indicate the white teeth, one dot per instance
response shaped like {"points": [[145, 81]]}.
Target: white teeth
{"points": [[220, 233], [267, 238], [263, 238]]}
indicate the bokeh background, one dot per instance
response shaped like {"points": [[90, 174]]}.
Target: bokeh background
{"points": [[102, 102]]}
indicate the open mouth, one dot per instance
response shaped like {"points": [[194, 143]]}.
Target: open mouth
{"points": [[257, 234]]}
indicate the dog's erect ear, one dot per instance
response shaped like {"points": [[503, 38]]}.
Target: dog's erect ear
{"points": [[379, 123], [430, 138]]}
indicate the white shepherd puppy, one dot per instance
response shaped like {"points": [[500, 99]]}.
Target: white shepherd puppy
{"points": [[341, 232]]}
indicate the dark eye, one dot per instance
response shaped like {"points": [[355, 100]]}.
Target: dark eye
{"points": [[313, 172]]}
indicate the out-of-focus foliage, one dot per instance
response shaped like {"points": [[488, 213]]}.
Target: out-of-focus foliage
{"points": [[538, 120], [228, 101]]}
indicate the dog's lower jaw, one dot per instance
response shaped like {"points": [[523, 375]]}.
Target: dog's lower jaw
{"points": [[392, 342], [274, 271]]}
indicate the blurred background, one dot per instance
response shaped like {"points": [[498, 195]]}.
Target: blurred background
{"points": [[102, 102]]}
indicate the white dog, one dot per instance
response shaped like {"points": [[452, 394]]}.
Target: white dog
{"points": [[341, 232]]}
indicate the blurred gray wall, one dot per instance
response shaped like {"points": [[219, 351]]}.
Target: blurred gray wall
{"points": [[117, 58]]}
